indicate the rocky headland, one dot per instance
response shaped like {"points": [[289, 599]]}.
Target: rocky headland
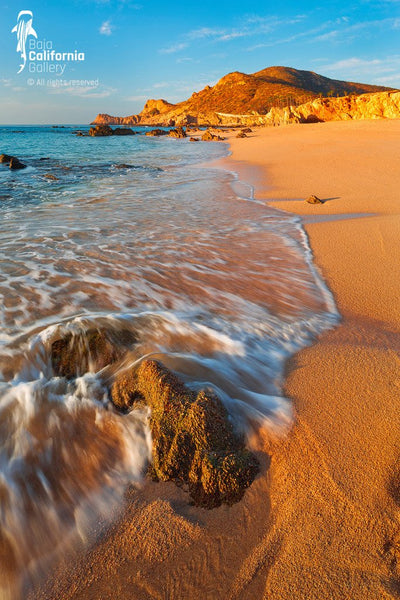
{"points": [[273, 96]]}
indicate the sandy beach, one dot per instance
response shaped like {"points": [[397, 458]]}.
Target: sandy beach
{"points": [[322, 520]]}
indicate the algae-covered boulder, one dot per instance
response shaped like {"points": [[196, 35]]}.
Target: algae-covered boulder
{"points": [[193, 440], [77, 353]]}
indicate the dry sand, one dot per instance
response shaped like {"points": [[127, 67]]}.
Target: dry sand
{"points": [[322, 521]]}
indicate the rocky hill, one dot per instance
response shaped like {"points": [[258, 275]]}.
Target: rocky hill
{"points": [[241, 98]]}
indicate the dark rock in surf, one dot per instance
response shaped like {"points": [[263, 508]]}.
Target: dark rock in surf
{"points": [[15, 164], [179, 132], [12, 161], [100, 131], [156, 132], [193, 139], [89, 351], [241, 134], [50, 176], [124, 131], [193, 441], [123, 166], [314, 200]]}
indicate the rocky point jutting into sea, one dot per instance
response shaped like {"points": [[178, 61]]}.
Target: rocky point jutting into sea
{"points": [[273, 96]]}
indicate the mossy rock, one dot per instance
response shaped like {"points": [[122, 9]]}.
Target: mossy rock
{"points": [[194, 442]]}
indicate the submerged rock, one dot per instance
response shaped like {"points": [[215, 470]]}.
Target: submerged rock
{"points": [[50, 176], [77, 353], [193, 440], [314, 200]]}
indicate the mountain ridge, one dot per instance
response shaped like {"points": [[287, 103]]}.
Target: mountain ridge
{"points": [[239, 93]]}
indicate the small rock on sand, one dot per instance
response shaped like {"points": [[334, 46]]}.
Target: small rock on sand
{"points": [[314, 200]]}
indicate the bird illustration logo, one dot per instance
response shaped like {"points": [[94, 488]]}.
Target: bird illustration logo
{"points": [[23, 29]]}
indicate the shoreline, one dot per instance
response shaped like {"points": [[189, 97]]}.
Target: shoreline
{"points": [[333, 500], [321, 520]]}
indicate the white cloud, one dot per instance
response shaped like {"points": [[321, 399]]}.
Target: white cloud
{"points": [[384, 71], [106, 28], [250, 26], [174, 48], [84, 92], [353, 64], [351, 31]]}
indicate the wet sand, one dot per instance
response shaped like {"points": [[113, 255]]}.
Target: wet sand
{"points": [[321, 520]]}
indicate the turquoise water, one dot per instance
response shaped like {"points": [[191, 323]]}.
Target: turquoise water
{"points": [[133, 234]]}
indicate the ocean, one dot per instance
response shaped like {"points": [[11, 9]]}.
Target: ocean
{"points": [[141, 235]]}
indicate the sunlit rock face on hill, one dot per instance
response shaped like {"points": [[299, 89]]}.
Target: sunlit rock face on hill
{"points": [[273, 95]]}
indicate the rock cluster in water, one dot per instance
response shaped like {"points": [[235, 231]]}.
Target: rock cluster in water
{"points": [[12, 161], [193, 440], [106, 130]]}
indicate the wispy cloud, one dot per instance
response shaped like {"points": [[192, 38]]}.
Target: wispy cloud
{"points": [[348, 32], [353, 64], [87, 92], [250, 26], [305, 34], [139, 98], [185, 59], [174, 48], [381, 71], [106, 28]]}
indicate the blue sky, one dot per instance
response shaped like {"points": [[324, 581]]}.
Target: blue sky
{"points": [[136, 50]]}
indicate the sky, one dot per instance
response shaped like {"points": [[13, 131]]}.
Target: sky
{"points": [[135, 50]]}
